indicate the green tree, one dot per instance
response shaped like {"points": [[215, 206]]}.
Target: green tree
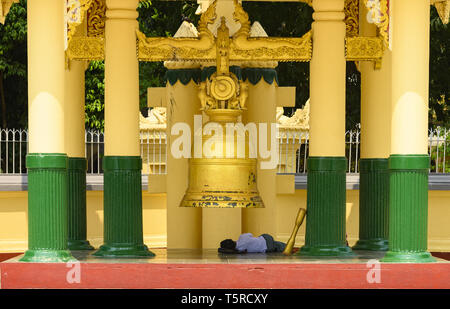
{"points": [[158, 18], [95, 95], [13, 67], [439, 71]]}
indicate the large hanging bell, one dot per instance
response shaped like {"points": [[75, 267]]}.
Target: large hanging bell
{"points": [[219, 180]]}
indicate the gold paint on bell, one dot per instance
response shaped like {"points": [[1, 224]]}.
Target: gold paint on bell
{"points": [[220, 181]]}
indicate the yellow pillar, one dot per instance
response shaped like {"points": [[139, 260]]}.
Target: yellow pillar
{"points": [[75, 116], [261, 108], [46, 160], [410, 75], [184, 225], [375, 147], [122, 164], [376, 108], [46, 76], [121, 79], [75, 148], [325, 220], [74, 97], [327, 80], [409, 160], [375, 100]]}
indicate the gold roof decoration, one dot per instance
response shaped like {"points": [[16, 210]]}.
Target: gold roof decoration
{"points": [[378, 14], [96, 16], [161, 48], [91, 46], [242, 47], [75, 14], [351, 10], [186, 30], [443, 9], [257, 31]]}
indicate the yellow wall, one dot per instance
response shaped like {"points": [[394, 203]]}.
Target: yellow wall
{"points": [[14, 215], [13, 219]]}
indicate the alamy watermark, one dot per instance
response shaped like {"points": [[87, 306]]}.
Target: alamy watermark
{"points": [[74, 273], [229, 140], [374, 273]]}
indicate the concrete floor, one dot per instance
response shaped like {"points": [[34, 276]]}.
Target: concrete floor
{"points": [[211, 256]]}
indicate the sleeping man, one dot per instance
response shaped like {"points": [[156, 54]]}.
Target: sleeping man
{"points": [[250, 244]]}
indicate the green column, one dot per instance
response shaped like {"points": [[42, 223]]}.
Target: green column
{"points": [[123, 235], [408, 213], [77, 205], [47, 208], [326, 208], [373, 205]]}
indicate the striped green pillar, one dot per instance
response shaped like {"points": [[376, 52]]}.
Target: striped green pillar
{"points": [[408, 213], [47, 208], [373, 205], [123, 233], [77, 227], [326, 208]]}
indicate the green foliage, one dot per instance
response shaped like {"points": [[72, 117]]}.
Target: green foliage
{"points": [[439, 72], [286, 20], [159, 19], [13, 67], [95, 95]]}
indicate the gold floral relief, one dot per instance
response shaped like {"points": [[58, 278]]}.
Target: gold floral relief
{"points": [[86, 48], [76, 12], [241, 48], [96, 17], [379, 15], [352, 17], [365, 49]]}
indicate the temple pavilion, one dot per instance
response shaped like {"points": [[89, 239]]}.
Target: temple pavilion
{"points": [[235, 60]]}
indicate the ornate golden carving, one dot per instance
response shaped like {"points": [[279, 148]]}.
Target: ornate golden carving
{"points": [[365, 49], [161, 49], [96, 17], [76, 11], [241, 46], [86, 48], [298, 121], [157, 119], [379, 15], [223, 90], [352, 17]]}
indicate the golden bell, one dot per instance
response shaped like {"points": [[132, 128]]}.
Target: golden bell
{"points": [[222, 181]]}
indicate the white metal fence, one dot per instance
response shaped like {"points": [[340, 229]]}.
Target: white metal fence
{"points": [[293, 151], [13, 149]]}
